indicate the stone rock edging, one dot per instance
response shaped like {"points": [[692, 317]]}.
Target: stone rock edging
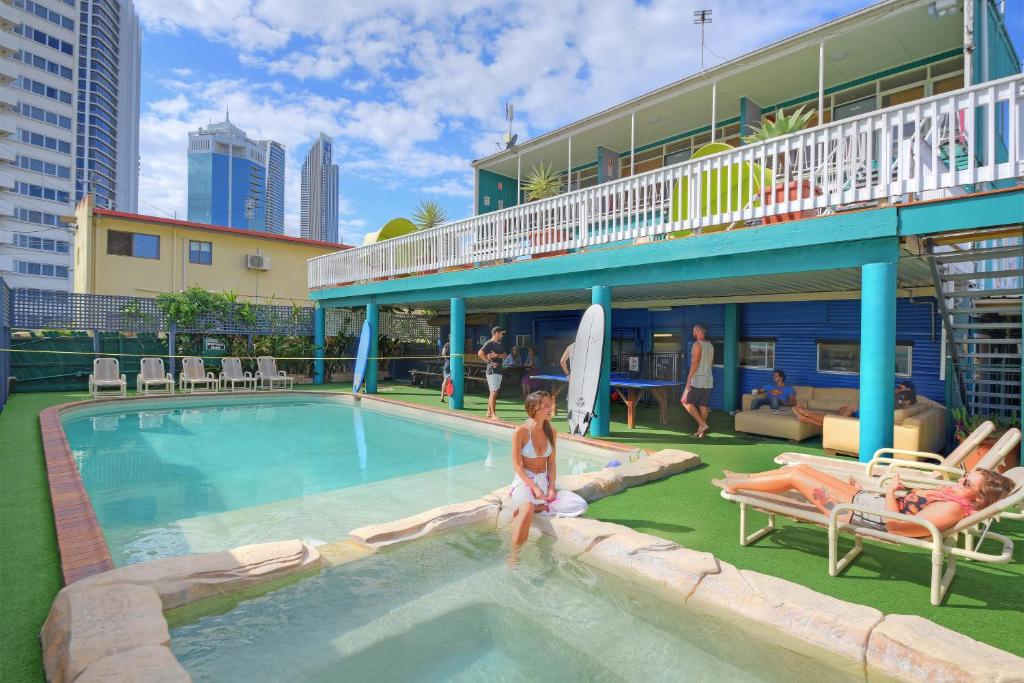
{"points": [[111, 626]]}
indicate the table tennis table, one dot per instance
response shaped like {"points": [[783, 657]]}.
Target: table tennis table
{"points": [[633, 390]]}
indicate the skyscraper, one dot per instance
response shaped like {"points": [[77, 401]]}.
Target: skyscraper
{"points": [[107, 135], [235, 181], [319, 211]]}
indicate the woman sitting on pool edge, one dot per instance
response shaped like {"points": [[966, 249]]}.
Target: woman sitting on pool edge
{"points": [[944, 507], [906, 394], [533, 459]]}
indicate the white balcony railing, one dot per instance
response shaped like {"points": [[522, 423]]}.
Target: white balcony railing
{"points": [[944, 145]]}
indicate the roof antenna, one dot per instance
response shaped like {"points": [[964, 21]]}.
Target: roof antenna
{"points": [[702, 17], [227, 110], [509, 139]]}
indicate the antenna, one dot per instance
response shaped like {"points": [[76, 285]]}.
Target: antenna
{"points": [[702, 17], [510, 140]]}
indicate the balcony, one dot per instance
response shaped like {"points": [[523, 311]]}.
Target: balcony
{"points": [[965, 141]]}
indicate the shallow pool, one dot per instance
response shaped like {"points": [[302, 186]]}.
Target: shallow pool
{"points": [[448, 608], [174, 477]]}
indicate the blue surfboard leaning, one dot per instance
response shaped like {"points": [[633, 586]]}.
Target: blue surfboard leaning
{"points": [[362, 358], [585, 370]]}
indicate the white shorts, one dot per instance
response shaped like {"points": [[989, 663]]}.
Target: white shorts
{"points": [[565, 504], [494, 382]]}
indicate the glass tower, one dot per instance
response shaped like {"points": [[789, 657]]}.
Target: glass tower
{"points": [[319, 211]]}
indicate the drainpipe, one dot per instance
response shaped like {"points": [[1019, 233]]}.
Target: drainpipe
{"points": [[519, 173], [821, 83], [632, 144], [568, 170], [714, 107]]}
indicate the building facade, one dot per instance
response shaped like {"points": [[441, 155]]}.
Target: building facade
{"points": [[319, 211], [128, 254], [235, 181], [107, 136]]}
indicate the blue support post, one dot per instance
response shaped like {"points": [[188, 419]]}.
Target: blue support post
{"points": [[319, 338], [601, 424], [457, 347], [172, 362], [731, 362], [372, 317], [877, 356]]}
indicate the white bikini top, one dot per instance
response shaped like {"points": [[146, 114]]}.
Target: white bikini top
{"points": [[528, 450]]}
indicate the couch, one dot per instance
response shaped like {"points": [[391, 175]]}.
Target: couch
{"points": [[783, 424]]}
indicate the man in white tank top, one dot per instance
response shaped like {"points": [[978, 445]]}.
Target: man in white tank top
{"points": [[699, 380]]}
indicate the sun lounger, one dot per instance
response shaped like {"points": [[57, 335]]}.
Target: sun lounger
{"points": [[194, 375], [942, 544], [106, 374], [884, 458], [267, 374], [231, 375], [152, 378]]}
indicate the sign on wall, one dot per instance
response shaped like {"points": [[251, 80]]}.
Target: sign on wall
{"points": [[608, 165]]}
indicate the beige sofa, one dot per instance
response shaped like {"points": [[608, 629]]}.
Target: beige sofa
{"points": [[920, 427]]}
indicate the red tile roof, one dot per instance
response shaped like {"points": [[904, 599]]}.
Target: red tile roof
{"points": [[217, 228]]}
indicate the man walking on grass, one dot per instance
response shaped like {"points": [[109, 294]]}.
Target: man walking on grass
{"points": [[699, 380], [492, 354]]}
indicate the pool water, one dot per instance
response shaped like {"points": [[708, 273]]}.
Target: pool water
{"points": [[196, 477], [449, 608]]}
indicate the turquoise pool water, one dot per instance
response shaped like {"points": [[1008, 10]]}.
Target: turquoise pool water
{"points": [[448, 608], [177, 478]]}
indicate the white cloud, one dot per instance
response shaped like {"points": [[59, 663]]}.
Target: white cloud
{"points": [[451, 188]]}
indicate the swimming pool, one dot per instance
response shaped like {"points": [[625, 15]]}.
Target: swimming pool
{"points": [[449, 608], [171, 477]]}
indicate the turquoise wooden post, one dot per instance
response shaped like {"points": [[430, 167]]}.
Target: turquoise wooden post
{"points": [[457, 347], [601, 424], [877, 356], [372, 313], [319, 337], [731, 362]]}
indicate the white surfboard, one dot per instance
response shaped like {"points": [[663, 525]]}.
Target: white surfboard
{"points": [[585, 370]]}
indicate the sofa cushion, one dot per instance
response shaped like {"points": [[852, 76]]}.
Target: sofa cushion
{"points": [[781, 425], [901, 414], [845, 395]]}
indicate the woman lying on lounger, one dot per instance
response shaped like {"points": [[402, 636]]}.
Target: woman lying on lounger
{"points": [[943, 507], [906, 394], [533, 459]]}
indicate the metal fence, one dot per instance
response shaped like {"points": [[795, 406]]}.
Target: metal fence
{"points": [[5, 342]]}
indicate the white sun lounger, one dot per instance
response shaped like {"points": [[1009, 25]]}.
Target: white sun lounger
{"points": [[106, 374], [152, 378], [193, 375], [944, 545], [231, 375], [268, 376]]}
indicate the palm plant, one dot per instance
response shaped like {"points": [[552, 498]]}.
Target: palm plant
{"points": [[429, 215], [782, 125], [542, 182]]}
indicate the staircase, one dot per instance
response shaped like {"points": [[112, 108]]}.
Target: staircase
{"points": [[979, 282]]}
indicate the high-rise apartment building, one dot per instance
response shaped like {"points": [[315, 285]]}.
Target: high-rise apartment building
{"points": [[235, 181], [107, 137], [69, 103], [319, 210]]}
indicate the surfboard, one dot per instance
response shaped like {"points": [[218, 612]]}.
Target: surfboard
{"points": [[585, 370], [362, 358]]}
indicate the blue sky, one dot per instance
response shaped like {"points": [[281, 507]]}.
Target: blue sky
{"points": [[413, 90]]}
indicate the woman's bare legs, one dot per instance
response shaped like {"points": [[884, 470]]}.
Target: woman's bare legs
{"points": [[809, 416], [821, 489], [522, 529]]}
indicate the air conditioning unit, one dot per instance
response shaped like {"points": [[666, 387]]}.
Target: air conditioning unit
{"points": [[257, 262]]}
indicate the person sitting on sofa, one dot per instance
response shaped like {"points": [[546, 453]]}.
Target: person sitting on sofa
{"points": [[777, 395], [905, 395]]}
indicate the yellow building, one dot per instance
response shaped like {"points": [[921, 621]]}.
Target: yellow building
{"points": [[134, 255]]}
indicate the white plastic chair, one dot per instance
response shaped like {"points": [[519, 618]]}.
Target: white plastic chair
{"points": [[153, 378], [106, 374]]}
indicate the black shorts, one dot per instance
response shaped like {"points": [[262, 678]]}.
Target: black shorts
{"points": [[697, 396]]}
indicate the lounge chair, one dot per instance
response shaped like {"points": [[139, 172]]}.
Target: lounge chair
{"points": [[194, 374], [152, 378], [884, 458], [106, 374], [231, 374], [923, 472], [942, 544], [267, 374]]}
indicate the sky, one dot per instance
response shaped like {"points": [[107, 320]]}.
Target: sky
{"points": [[413, 90]]}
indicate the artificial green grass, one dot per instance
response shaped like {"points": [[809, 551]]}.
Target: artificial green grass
{"points": [[985, 601]]}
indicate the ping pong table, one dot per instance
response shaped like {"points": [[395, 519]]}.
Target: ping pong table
{"points": [[633, 389]]}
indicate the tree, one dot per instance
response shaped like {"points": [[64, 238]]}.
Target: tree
{"points": [[429, 215]]}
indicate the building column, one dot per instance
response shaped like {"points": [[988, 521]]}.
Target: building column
{"points": [[372, 315], [877, 356], [601, 424], [319, 337], [456, 350], [731, 362]]}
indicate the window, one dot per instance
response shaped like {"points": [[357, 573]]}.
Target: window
{"points": [[40, 192], [39, 140], [43, 90], [754, 353], [134, 244], [43, 115], [200, 252], [45, 64], [44, 167], [41, 269], [524, 341], [39, 217], [844, 358], [44, 13]]}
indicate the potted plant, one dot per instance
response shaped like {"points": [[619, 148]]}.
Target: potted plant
{"points": [[784, 124], [543, 182], [966, 423]]}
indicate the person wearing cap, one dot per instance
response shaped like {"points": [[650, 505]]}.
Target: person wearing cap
{"points": [[492, 354], [904, 394]]}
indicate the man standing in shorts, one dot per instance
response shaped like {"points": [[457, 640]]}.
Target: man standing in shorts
{"points": [[699, 380], [492, 354]]}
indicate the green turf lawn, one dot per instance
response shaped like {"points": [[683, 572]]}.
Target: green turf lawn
{"points": [[986, 601]]}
